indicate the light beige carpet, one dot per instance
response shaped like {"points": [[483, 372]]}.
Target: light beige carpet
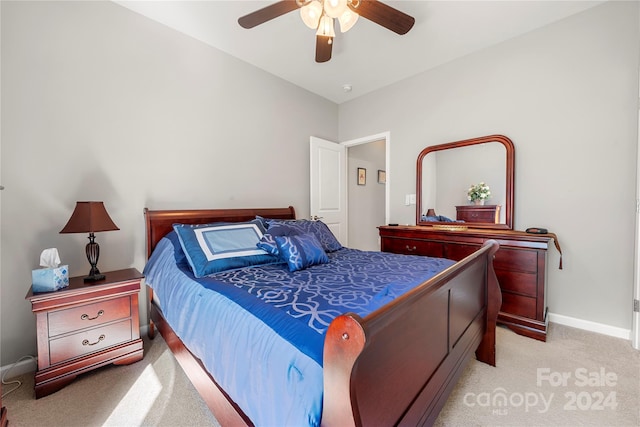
{"points": [[576, 378], [152, 392]]}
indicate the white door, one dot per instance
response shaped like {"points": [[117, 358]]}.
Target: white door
{"points": [[328, 174]]}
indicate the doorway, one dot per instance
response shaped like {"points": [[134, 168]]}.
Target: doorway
{"points": [[367, 189]]}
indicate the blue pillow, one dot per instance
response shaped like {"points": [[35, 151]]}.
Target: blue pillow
{"points": [[304, 226], [268, 241], [301, 251], [268, 244], [211, 248]]}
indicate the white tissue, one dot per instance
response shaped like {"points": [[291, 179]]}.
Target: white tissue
{"points": [[50, 258]]}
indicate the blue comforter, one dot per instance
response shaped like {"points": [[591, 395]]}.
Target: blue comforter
{"points": [[269, 323]]}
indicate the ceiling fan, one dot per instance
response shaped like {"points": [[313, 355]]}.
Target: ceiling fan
{"points": [[320, 14]]}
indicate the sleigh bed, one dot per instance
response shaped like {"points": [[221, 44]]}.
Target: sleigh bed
{"points": [[395, 365]]}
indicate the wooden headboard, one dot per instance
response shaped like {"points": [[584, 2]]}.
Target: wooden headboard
{"points": [[160, 222]]}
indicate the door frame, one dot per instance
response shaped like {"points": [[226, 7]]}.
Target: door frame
{"points": [[386, 136], [635, 315]]}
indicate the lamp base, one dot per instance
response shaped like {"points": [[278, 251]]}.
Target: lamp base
{"points": [[94, 278], [93, 252]]}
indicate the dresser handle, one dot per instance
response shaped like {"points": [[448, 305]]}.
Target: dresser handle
{"points": [[86, 316], [100, 338], [411, 249]]}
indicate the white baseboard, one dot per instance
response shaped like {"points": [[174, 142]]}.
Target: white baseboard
{"points": [[588, 325], [19, 368]]}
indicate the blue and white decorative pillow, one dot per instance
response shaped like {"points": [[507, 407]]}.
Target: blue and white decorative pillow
{"points": [[301, 251], [319, 229], [268, 241], [211, 248], [268, 244]]}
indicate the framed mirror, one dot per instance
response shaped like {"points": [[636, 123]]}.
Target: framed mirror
{"points": [[446, 172]]}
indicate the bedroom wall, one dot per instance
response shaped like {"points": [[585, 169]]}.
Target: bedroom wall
{"points": [[566, 95], [99, 103]]}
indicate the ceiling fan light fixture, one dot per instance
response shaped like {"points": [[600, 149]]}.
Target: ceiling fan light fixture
{"points": [[319, 15], [347, 20], [335, 8], [326, 27], [311, 14]]}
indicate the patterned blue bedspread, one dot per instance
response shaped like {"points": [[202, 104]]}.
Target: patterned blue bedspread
{"points": [[293, 303]]}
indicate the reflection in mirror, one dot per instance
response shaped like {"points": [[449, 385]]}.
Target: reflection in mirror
{"points": [[452, 172], [445, 173]]}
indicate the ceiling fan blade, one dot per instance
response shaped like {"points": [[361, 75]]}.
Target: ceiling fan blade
{"points": [[268, 13], [323, 48], [387, 16]]}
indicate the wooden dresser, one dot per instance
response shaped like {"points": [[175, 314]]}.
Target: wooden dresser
{"points": [[520, 265], [85, 326]]}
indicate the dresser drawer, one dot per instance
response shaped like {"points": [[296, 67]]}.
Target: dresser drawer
{"points": [[89, 341], [520, 283], [459, 251], [516, 260], [414, 247], [519, 305], [89, 315]]}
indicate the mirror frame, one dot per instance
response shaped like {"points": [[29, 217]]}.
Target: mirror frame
{"points": [[510, 162]]}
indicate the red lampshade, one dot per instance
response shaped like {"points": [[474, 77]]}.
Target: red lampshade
{"points": [[89, 217]]}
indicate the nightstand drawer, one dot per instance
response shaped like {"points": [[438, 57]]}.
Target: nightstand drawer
{"points": [[89, 315], [89, 341]]}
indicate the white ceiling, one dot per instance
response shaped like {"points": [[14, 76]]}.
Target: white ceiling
{"points": [[367, 57]]}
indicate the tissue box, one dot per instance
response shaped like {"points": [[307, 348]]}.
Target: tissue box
{"points": [[50, 279]]}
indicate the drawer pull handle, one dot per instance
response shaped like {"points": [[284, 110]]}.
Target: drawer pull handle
{"points": [[86, 316], [100, 338], [411, 249]]}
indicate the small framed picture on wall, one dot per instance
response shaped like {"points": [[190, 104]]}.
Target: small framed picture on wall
{"points": [[362, 176], [382, 177]]}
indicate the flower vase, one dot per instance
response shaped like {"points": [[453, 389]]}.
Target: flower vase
{"points": [[478, 202]]}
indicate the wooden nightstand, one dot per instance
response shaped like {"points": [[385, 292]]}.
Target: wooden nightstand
{"points": [[85, 326]]}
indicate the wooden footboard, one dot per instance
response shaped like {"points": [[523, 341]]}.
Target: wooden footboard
{"points": [[396, 366]]}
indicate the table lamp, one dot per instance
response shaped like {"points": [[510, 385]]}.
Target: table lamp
{"points": [[90, 217]]}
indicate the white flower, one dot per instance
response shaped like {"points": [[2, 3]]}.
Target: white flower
{"points": [[479, 191]]}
